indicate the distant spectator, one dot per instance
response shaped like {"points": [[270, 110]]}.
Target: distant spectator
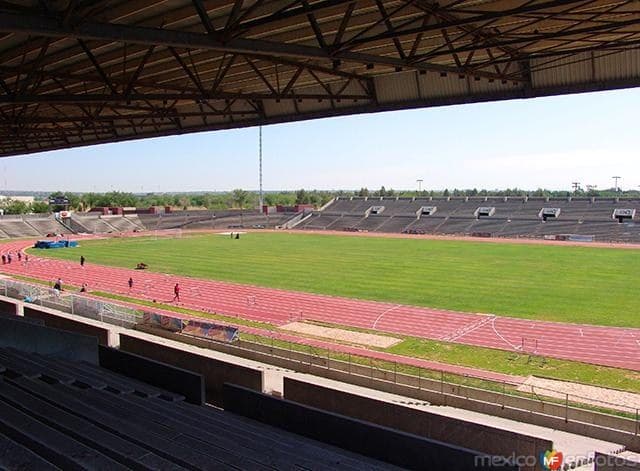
{"points": [[176, 292], [82, 260], [58, 284], [130, 282]]}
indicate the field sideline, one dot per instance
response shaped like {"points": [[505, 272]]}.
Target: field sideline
{"points": [[566, 284]]}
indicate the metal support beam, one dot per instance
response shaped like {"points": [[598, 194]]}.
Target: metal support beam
{"points": [[40, 26], [117, 98]]}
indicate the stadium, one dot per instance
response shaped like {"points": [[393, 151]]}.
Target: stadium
{"points": [[417, 330]]}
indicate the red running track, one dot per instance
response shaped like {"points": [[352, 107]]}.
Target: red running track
{"points": [[609, 346]]}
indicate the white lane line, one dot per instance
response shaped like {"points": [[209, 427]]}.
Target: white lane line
{"points": [[385, 312], [493, 326]]}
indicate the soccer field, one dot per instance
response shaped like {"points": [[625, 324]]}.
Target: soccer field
{"points": [[561, 283]]}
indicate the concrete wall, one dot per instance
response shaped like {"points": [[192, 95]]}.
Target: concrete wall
{"points": [[14, 317], [39, 339], [215, 372], [161, 375], [8, 307], [570, 419], [478, 437], [382, 443], [64, 323], [614, 463]]}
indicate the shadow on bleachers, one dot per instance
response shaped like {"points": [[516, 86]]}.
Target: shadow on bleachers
{"points": [[59, 412]]}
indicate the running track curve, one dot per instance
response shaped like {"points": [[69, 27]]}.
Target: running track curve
{"points": [[608, 346]]}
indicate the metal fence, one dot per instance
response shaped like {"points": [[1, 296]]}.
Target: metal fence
{"points": [[71, 303], [534, 398]]}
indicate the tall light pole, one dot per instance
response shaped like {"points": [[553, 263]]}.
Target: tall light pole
{"points": [[576, 186], [616, 184], [419, 181], [260, 201]]}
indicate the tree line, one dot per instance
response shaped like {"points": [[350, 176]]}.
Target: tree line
{"points": [[243, 199]]}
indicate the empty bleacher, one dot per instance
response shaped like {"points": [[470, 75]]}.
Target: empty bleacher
{"points": [[91, 224], [491, 225], [18, 228], [426, 224], [456, 225], [62, 414], [513, 217], [319, 221], [121, 223], [44, 226], [397, 223], [211, 220], [371, 223], [346, 223], [520, 228]]}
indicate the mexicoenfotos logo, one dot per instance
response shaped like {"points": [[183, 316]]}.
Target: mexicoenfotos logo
{"points": [[551, 460]]}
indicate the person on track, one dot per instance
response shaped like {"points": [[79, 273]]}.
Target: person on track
{"points": [[82, 260], [57, 287], [176, 292], [130, 283]]}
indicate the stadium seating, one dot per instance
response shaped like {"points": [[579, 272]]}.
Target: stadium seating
{"points": [[425, 224], [18, 228], [320, 221], [347, 223], [44, 226], [513, 217], [211, 220], [371, 223], [90, 224], [456, 225], [74, 415], [121, 223]]}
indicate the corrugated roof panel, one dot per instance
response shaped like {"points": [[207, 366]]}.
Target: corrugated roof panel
{"points": [[561, 72], [623, 65], [433, 85], [485, 86], [305, 106], [273, 108], [396, 87]]}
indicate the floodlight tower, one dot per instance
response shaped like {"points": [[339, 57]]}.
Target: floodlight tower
{"points": [[616, 182], [576, 186], [419, 181]]}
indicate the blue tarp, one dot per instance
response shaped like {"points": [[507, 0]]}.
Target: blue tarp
{"points": [[55, 244]]}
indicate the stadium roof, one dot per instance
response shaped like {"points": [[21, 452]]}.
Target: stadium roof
{"points": [[79, 72]]}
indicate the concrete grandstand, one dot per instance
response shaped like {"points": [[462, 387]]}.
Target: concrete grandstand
{"points": [[610, 220], [92, 223]]}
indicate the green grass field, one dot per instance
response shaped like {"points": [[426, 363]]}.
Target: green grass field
{"points": [[570, 284]]}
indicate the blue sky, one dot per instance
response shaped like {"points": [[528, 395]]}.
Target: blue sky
{"points": [[544, 142]]}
